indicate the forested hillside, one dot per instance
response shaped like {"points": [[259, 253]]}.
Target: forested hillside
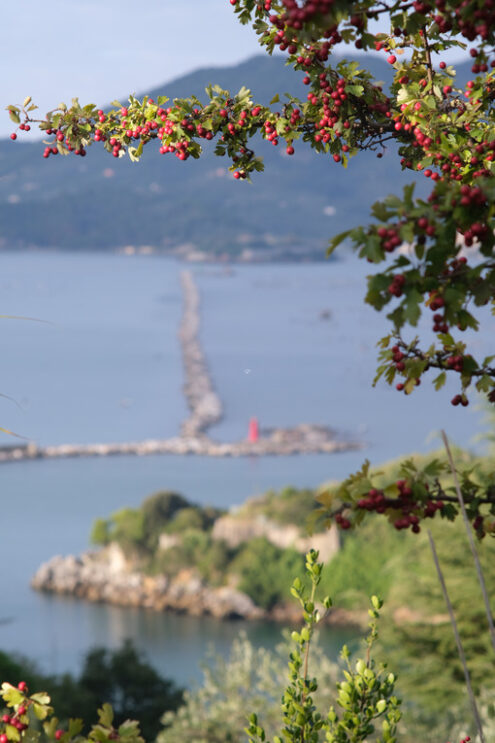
{"points": [[193, 206]]}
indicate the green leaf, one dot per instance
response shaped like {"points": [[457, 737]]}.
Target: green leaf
{"points": [[275, 99], [381, 706], [12, 732], [376, 602], [105, 715], [412, 307], [41, 698], [14, 116], [439, 382], [335, 241], [41, 711], [75, 727], [10, 694]]}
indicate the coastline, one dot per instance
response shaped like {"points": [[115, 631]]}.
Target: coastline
{"points": [[101, 577]]}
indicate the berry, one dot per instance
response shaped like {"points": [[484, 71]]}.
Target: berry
{"points": [[13, 136], [392, 59]]}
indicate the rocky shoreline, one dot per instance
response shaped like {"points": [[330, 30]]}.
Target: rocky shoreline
{"points": [[103, 577]]}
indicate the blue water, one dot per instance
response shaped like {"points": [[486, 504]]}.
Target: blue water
{"points": [[103, 364]]}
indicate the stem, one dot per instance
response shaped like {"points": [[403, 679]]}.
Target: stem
{"points": [[429, 65], [306, 659], [469, 532], [460, 649]]}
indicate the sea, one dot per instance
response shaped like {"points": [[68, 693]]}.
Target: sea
{"points": [[91, 354]]}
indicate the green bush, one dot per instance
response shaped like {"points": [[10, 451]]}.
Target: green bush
{"points": [[266, 571]]}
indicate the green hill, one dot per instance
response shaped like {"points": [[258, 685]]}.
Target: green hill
{"points": [[101, 203]]}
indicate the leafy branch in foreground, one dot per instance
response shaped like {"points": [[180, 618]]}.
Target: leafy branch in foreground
{"points": [[441, 128], [29, 718], [419, 493], [364, 697]]}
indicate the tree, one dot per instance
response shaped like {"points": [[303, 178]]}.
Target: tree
{"points": [[436, 126]]}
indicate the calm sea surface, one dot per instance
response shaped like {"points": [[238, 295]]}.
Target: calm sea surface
{"points": [[104, 365]]}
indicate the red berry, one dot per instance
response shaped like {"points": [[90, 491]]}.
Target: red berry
{"points": [[58, 734], [392, 59], [13, 136], [22, 686]]}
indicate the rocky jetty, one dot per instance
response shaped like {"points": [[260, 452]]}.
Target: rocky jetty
{"points": [[203, 401], [205, 410]]}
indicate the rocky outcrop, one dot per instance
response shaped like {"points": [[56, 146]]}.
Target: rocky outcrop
{"points": [[236, 531], [103, 577]]}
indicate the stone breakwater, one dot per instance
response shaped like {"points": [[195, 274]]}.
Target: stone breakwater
{"points": [[205, 410], [204, 403]]}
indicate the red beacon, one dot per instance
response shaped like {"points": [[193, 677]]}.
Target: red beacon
{"points": [[254, 430]]}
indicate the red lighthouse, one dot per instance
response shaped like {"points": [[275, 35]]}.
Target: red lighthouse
{"points": [[254, 431]]}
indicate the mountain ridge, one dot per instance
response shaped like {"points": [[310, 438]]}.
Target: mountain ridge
{"points": [[194, 209]]}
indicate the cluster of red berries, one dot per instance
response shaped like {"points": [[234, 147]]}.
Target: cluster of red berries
{"points": [[342, 522], [439, 324], [460, 400], [397, 286], [397, 357], [389, 237], [271, 133], [23, 127], [455, 362], [375, 500], [15, 719], [306, 11], [436, 301], [478, 231]]}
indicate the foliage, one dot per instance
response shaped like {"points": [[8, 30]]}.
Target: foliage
{"points": [[364, 697], [367, 562], [117, 677], [141, 527], [287, 506], [251, 678], [265, 571], [417, 491], [423, 642]]}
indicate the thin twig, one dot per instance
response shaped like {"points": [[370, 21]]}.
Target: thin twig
{"points": [[474, 551], [460, 649], [429, 65]]}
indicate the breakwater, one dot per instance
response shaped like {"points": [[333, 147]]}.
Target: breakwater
{"points": [[204, 404], [205, 409]]}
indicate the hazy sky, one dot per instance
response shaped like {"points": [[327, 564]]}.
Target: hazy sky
{"points": [[99, 50], [102, 49]]}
